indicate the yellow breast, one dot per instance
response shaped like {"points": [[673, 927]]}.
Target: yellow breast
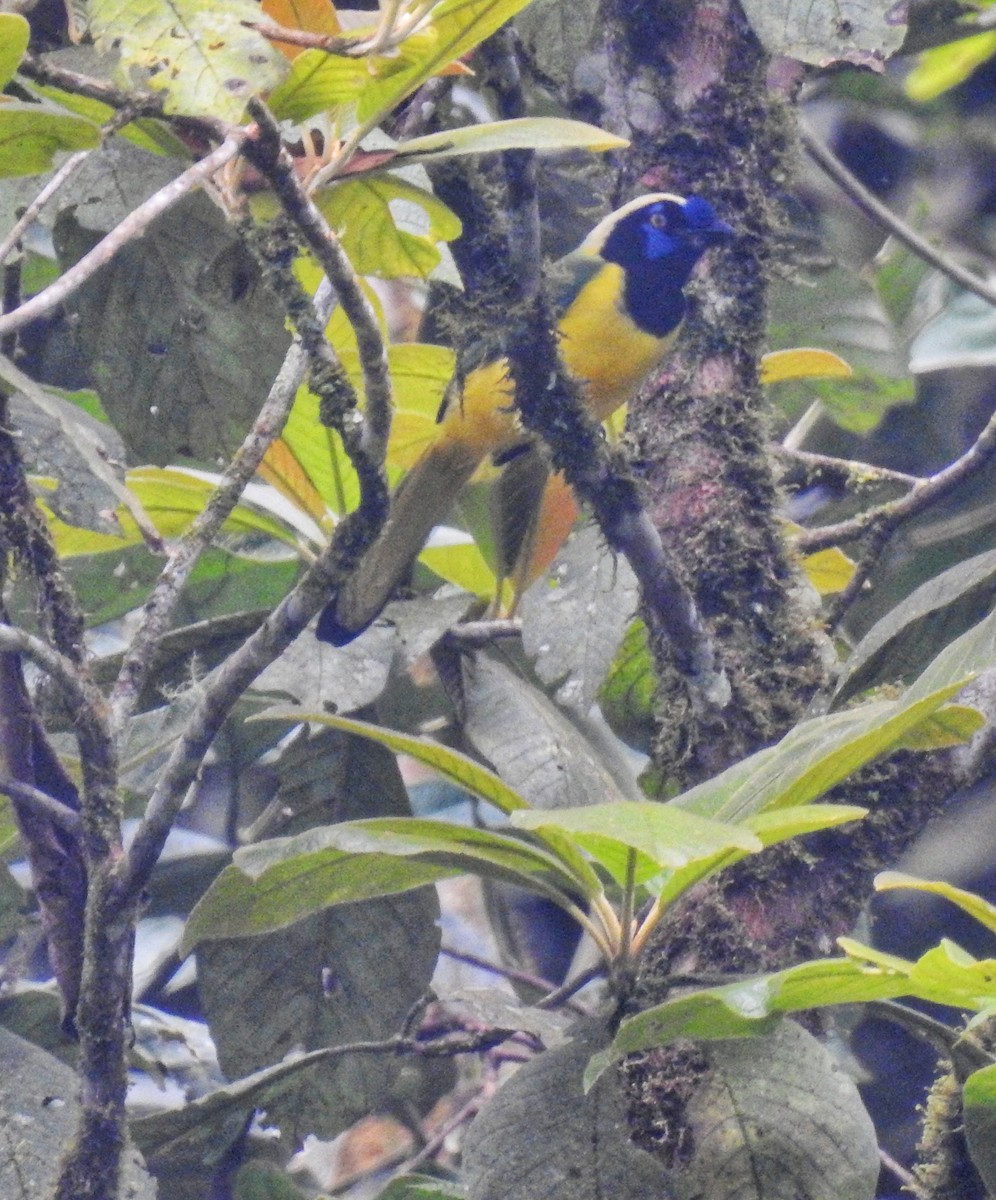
{"points": [[601, 346]]}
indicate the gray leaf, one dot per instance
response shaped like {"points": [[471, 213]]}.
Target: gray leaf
{"points": [[541, 1138], [777, 1119]]}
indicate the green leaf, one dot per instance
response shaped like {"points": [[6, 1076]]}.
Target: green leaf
{"points": [[274, 883], [172, 498], [943, 67], [342, 975], [751, 1006], [421, 1187], [456, 27], [859, 403], [361, 209], [320, 82], [663, 835], [542, 1138], [770, 828], [769, 1117], [153, 136], [451, 764], [203, 55], [979, 1113], [981, 910], [945, 974], [953, 725], [14, 35], [525, 133], [32, 134], [627, 696], [575, 616], [819, 753]]}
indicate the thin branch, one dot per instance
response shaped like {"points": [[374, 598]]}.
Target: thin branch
{"points": [[924, 493], [874, 208], [162, 601], [143, 104], [273, 161], [560, 996], [895, 1168], [43, 805], [30, 214], [131, 228], [76, 692], [472, 634], [880, 523], [435, 1143], [524, 977], [859, 472], [68, 169]]}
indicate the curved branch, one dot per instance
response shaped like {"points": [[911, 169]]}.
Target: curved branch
{"points": [[874, 208], [272, 160], [131, 228]]}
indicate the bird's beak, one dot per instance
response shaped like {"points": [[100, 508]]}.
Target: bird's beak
{"points": [[718, 231]]}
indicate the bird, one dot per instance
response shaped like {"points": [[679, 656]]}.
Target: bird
{"points": [[620, 309]]}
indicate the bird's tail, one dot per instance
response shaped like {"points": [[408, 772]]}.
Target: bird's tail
{"points": [[421, 502]]}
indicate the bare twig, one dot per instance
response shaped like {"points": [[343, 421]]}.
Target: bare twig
{"points": [[161, 604], [925, 492], [902, 232], [482, 633], [43, 804], [524, 977], [75, 690], [142, 104], [434, 1144], [881, 522], [859, 472], [132, 227], [30, 214]]}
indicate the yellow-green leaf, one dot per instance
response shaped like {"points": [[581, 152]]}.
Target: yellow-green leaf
{"points": [[318, 82], [969, 902], [803, 363], [32, 134], [457, 26], [458, 560], [203, 55], [524, 133], [367, 213], [944, 67], [952, 725], [14, 34], [829, 570]]}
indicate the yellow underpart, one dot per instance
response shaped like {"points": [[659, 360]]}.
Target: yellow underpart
{"points": [[602, 348]]}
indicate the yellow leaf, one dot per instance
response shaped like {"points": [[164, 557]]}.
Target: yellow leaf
{"points": [[282, 470], [463, 564], [829, 571], [802, 363], [952, 725]]}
